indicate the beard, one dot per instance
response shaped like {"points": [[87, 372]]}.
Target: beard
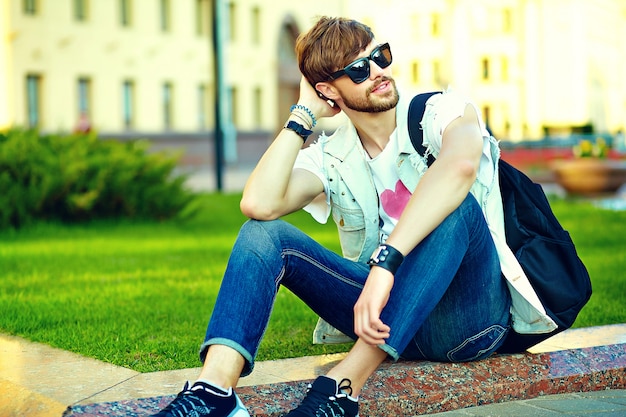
{"points": [[379, 104]]}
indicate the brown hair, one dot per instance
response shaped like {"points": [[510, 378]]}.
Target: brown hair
{"points": [[331, 44]]}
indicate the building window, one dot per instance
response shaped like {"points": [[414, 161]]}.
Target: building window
{"points": [[256, 26], [84, 105], [125, 13], [437, 72], [165, 16], [167, 105], [33, 100], [232, 21], [202, 107], [415, 72], [84, 96], [507, 19], [435, 28], [258, 107], [202, 17], [80, 10], [128, 103], [487, 116], [485, 69], [505, 69], [30, 7], [233, 99]]}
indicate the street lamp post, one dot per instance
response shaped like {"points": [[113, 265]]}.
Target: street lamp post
{"points": [[218, 59]]}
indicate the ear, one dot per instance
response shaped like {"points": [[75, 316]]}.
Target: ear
{"points": [[327, 92]]}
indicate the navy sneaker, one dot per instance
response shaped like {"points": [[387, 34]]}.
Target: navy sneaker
{"points": [[203, 399], [326, 398]]}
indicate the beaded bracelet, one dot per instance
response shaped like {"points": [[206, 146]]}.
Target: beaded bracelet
{"points": [[303, 116], [306, 109], [307, 121]]}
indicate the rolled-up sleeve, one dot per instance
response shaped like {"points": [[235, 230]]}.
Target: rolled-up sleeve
{"points": [[311, 159], [441, 110]]}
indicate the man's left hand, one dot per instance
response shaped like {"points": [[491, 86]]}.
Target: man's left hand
{"points": [[367, 323]]}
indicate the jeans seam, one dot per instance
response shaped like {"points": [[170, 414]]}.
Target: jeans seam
{"points": [[329, 271], [451, 353], [419, 348]]}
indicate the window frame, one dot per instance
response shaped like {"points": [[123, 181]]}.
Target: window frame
{"points": [[126, 15], [165, 7], [30, 7], [128, 104], [33, 100], [84, 96], [167, 102], [81, 10]]}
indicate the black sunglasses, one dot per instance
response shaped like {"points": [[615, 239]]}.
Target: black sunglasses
{"points": [[359, 70]]}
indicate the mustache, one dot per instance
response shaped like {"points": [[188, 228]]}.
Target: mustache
{"points": [[382, 80]]}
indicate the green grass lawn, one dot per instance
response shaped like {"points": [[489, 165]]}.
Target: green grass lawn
{"points": [[139, 295]]}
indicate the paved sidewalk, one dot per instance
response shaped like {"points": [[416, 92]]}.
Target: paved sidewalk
{"points": [[40, 381], [595, 404], [204, 179]]}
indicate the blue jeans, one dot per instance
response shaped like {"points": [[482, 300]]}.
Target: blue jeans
{"points": [[449, 301]]}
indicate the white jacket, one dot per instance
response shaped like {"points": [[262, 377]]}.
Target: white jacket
{"points": [[339, 153]]}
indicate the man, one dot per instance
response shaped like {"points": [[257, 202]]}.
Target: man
{"points": [[421, 276]]}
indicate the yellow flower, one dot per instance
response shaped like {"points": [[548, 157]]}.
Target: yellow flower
{"points": [[588, 149]]}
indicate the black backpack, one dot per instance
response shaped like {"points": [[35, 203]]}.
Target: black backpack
{"points": [[543, 248]]}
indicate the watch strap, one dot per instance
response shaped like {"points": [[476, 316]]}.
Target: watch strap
{"points": [[300, 130]]}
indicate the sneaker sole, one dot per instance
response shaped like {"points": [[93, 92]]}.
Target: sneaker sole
{"points": [[240, 410], [240, 413]]}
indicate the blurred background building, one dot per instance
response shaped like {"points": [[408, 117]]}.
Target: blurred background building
{"points": [[146, 68]]}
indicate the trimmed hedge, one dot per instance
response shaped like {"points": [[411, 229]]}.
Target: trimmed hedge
{"points": [[79, 177]]}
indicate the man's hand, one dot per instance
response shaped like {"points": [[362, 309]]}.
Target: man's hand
{"points": [[367, 324]]}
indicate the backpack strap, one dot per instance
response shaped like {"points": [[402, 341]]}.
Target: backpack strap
{"points": [[416, 114]]}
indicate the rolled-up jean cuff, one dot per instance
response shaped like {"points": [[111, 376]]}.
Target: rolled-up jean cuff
{"points": [[249, 365], [390, 351]]}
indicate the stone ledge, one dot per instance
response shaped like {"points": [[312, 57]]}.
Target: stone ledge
{"points": [[417, 388]]}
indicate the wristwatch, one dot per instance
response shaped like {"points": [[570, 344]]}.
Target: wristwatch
{"points": [[299, 129]]}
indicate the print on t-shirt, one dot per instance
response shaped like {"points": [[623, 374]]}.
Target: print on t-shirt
{"points": [[394, 201]]}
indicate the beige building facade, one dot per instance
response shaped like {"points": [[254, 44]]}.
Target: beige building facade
{"points": [[535, 67], [146, 67]]}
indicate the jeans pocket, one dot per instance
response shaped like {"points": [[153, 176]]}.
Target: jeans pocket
{"points": [[479, 346]]}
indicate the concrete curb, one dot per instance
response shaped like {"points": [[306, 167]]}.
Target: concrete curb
{"points": [[418, 388]]}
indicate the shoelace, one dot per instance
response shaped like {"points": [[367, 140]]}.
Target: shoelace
{"points": [[316, 402], [348, 387], [185, 402]]}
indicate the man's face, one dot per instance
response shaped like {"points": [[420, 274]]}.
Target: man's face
{"points": [[376, 94], [378, 97]]}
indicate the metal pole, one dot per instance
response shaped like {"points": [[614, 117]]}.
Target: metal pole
{"points": [[219, 81]]}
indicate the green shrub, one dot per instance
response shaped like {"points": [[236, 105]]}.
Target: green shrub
{"points": [[79, 177]]}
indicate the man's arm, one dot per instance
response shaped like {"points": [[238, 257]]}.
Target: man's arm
{"points": [[440, 191], [445, 184], [274, 187]]}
